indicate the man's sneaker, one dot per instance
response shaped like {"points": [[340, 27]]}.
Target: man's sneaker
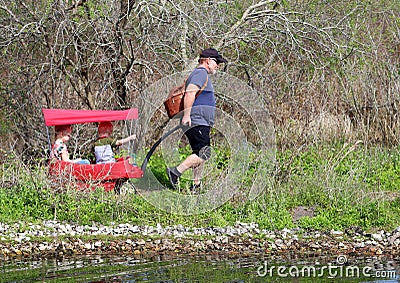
{"points": [[195, 188], [173, 178]]}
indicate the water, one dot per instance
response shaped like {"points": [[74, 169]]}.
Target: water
{"points": [[202, 268]]}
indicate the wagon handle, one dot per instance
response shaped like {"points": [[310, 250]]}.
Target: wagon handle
{"points": [[150, 153]]}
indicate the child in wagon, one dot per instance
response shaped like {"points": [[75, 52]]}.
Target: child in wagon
{"points": [[59, 149], [103, 147]]}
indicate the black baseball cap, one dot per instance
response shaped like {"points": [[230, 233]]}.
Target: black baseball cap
{"points": [[213, 53]]}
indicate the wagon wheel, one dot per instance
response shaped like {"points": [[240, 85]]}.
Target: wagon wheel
{"points": [[124, 187]]}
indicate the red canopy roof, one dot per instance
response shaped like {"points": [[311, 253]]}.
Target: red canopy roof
{"points": [[53, 117]]}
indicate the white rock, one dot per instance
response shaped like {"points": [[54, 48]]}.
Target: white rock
{"points": [[377, 237]]}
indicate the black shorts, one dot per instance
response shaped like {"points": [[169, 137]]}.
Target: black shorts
{"points": [[199, 138]]}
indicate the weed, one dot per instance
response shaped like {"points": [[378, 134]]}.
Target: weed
{"points": [[346, 186]]}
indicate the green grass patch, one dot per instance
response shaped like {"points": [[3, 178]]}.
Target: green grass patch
{"points": [[346, 185]]}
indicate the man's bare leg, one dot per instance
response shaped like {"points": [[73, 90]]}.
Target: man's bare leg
{"points": [[197, 173], [191, 161]]}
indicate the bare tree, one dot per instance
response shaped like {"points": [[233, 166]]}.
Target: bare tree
{"points": [[102, 54]]}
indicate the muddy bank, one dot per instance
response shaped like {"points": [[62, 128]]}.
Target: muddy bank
{"points": [[54, 239]]}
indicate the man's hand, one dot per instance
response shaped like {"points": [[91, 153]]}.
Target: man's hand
{"points": [[186, 121]]}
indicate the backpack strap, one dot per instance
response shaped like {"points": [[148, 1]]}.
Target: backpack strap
{"points": [[202, 88]]}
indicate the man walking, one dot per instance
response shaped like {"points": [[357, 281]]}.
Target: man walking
{"points": [[198, 117]]}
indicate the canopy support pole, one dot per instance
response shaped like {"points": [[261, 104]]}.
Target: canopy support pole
{"points": [[48, 140]]}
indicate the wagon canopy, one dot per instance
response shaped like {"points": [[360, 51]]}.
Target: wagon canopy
{"points": [[54, 117]]}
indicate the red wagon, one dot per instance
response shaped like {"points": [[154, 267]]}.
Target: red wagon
{"points": [[110, 176]]}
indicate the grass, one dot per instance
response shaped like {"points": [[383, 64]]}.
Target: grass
{"points": [[347, 185]]}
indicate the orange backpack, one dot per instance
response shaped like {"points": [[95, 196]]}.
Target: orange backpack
{"points": [[174, 103]]}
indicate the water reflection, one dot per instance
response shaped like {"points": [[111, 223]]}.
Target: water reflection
{"points": [[203, 268]]}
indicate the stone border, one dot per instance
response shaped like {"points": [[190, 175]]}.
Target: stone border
{"points": [[18, 240]]}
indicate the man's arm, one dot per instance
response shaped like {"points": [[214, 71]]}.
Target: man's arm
{"points": [[188, 101]]}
